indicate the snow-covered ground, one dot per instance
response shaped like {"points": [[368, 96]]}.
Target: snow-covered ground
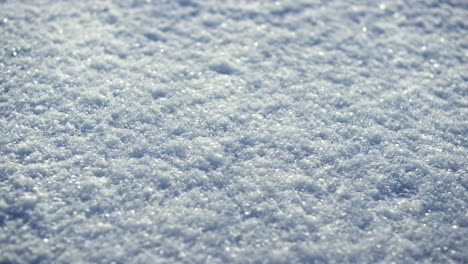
{"points": [[233, 131]]}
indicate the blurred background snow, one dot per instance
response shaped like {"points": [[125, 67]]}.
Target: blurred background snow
{"points": [[233, 131]]}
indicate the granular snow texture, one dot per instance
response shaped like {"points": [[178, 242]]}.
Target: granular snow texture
{"points": [[233, 131]]}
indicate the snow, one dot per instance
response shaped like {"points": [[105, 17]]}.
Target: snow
{"points": [[233, 132]]}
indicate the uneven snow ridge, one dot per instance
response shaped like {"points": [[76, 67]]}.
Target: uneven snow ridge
{"points": [[233, 131]]}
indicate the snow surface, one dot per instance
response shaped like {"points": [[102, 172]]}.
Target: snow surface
{"points": [[233, 131]]}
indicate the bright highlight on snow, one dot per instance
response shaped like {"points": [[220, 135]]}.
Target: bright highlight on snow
{"points": [[233, 132]]}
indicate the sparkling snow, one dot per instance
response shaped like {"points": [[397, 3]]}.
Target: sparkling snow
{"points": [[164, 131]]}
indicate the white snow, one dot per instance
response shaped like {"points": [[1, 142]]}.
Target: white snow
{"points": [[157, 131]]}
